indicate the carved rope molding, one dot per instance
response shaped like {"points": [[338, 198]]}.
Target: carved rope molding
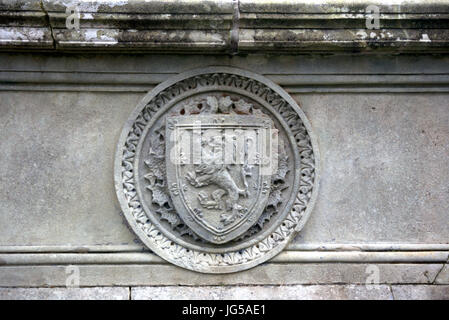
{"points": [[252, 255], [220, 26]]}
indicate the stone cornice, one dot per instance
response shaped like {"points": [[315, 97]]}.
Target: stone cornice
{"points": [[220, 26]]}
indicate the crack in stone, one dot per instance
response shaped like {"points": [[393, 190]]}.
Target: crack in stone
{"points": [[234, 38], [441, 270], [392, 291], [47, 18]]}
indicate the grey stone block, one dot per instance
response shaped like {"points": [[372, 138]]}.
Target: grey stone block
{"points": [[57, 166], [273, 26], [384, 160], [429, 292], [443, 276], [103, 293], [295, 292], [266, 274]]}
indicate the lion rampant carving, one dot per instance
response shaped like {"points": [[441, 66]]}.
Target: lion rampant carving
{"points": [[213, 172]]}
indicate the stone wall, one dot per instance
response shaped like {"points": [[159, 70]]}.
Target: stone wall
{"points": [[378, 105]]}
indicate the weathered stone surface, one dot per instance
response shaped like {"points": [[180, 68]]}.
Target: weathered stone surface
{"points": [[395, 193], [443, 276], [133, 6], [23, 24], [58, 166], [128, 255], [295, 292], [384, 164], [266, 274], [99, 293], [435, 292], [308, 72], [224, 26], [339, 6], [17, 5]]}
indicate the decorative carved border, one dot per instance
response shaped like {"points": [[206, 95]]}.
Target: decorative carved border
{"points": [[200, 260]]}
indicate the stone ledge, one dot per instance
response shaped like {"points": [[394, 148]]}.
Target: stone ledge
{"points": [[295, 73], [289, 257], [342, 6], [434, 292], [293, 292], [97, 293], [217, 26], [266, 274]]}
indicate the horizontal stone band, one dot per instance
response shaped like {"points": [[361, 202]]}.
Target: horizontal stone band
{"points": [[283, 257], [218, 26]]}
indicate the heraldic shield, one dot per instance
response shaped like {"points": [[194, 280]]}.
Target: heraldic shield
{"points": [[219, 170]]}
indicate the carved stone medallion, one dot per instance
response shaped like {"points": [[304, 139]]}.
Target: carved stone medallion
{"points": [[217, 169]]}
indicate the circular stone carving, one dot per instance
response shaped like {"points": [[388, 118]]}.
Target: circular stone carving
{"points": [[208, 215]]}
